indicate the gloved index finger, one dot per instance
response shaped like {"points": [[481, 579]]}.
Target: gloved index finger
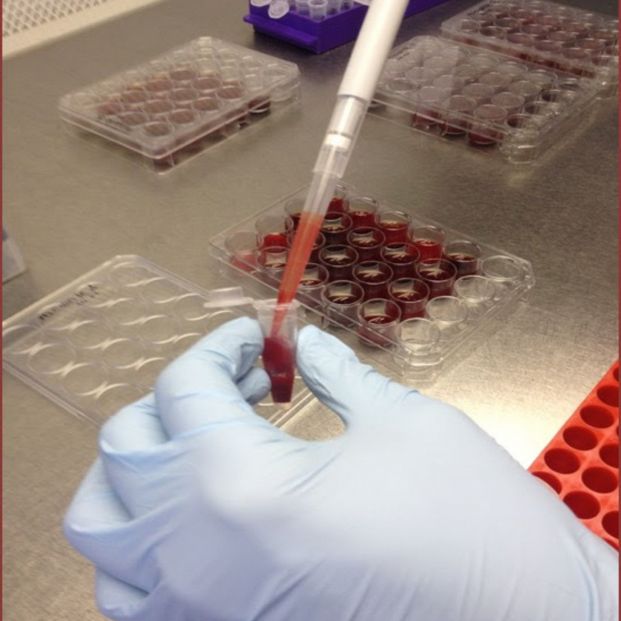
{"points": [[200, 389]]}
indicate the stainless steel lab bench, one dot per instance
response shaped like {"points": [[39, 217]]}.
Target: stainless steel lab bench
{"points": [[71, 206]]}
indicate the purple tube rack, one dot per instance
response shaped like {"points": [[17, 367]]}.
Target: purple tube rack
{"points": [[324, 35]]}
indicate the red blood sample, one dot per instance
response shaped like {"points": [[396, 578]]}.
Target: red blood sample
{"points": [[374, 278], [394, 226], [466, 264], [343, 298], [362, 218], [278, 360], [367, 240], [335, 227], [381, 319], [341, 301], [378, 322], [428, 248], [337, 204], [294, 208], [401, 257], [271, 231], [411, 295], [274, 239], [338, 260], [439, 275]]}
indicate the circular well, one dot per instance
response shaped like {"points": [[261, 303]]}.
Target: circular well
{"points": [[51, 357], [561, 460], [118, 396], [191, 307], [447, 310], [609, 454], [502, 269], [600, 480], [596, 416], [157, 328], [119, 352], [582, 504], [550, 479], [609, 395], [580, 438], [84, 378], [474, 289]]}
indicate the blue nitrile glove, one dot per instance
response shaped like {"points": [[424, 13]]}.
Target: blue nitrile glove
{"points": [[199, 510]]}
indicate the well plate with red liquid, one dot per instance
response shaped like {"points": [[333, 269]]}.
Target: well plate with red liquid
{"points": [[178, 104], [335, 310]]}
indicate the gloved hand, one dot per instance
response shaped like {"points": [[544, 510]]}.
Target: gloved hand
{"points": [[200, 510]]}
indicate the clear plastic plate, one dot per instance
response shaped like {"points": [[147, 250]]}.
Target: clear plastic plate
{"points": [[556, 36], [487, 101], [176, 105], [100, 342]]}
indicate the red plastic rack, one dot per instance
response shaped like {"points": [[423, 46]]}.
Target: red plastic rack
{"points": [[581, 463]]}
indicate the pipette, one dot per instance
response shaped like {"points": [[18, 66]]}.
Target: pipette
{"points": [[355, 92]]}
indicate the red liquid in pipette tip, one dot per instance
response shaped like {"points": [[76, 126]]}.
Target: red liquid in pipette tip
{"points": [[300, 253]]}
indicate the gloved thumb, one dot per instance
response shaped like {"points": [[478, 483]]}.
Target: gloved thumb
{"points": [[353, 390]]}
